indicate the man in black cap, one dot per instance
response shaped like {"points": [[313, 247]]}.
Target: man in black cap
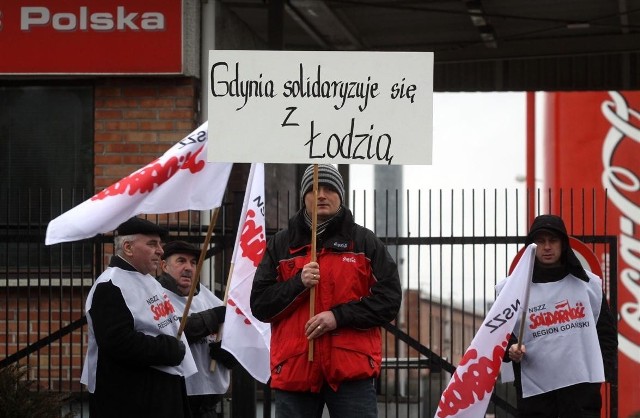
{"points": [[206, 314], [135, 366], [357, 289], [569, 344]]}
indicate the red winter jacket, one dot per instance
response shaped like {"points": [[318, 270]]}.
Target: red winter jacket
{"points": [[359, 284]]}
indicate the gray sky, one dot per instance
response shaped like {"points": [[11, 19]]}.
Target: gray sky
{"points": [[479, 141]]}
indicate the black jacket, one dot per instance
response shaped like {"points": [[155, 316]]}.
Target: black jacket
{"points": [[126, 385], [199, 324]]}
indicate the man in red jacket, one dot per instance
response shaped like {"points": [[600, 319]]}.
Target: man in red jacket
{"points": [[357, 289]]}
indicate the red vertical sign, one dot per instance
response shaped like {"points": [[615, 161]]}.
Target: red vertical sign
{"points": [[592, 141]]}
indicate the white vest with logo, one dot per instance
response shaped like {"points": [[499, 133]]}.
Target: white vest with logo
{"points": [[205, 381], [150, 307], [560, 335]]}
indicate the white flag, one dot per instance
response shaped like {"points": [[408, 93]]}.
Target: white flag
{"points": [[244, 336], [468, 393], [179, 180]]}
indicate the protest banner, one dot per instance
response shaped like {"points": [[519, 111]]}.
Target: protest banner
{"points": [[244, 336], [180, 179], [321, 107]]}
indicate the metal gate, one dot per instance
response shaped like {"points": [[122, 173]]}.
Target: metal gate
{"points": [[452, 246]]}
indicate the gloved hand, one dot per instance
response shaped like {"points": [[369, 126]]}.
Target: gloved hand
{"points": [[182, 349], [174, 348], [204, 323], [220, 312], [222, 356]]}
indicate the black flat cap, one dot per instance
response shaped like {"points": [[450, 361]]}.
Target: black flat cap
{"points": [[180, 247], [137, 225]]}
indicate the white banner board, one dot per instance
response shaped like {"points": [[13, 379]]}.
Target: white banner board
{"points": [[320, 107]]}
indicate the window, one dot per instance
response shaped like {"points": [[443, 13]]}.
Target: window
{"points": [[46, 166]]}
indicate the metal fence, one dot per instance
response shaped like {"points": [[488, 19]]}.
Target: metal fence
{"points": [[452, 246]]}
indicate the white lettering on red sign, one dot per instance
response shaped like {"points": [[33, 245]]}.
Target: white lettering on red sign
{"points": [[622, 183], [84, 19]]}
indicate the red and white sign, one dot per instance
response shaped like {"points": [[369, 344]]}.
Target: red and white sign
{"points": [[593, 144], [91, 37]]}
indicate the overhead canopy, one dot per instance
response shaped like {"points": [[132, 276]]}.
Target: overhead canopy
{"points": [[513, 45]]}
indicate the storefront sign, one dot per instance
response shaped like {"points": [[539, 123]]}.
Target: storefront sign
{"points": [[91, 37]]}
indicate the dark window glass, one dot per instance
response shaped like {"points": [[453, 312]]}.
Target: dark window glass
{"points": [[46, 166]]}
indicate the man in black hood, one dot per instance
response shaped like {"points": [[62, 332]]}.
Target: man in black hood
{"points": [[569, 343]]}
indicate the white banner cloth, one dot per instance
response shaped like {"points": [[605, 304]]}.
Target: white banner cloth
{"points": [[180, 179], [468, 393], [244, 336]]}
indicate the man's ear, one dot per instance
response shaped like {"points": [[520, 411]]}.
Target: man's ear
{"points": [[127, 248], [163, 265]]}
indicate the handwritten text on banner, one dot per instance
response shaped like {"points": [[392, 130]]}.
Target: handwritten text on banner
{"points": [[322, 106]]}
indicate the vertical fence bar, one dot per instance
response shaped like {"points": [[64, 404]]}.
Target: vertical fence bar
{"points": [[418, 291], [5, 257], [37, 325], [430, 335]]}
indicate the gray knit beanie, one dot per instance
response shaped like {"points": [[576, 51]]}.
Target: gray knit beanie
{"points": [[328, 175]]}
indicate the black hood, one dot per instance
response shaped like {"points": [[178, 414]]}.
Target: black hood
{"points": [[555, 225], [551, 223]]}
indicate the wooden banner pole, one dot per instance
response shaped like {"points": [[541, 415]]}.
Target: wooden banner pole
{"points": [[212, 364], [314, 226], [196, 279]]}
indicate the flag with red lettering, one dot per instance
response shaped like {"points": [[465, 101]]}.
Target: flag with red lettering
{"points": [[244, 336], [468, 393], [179, 180]]}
